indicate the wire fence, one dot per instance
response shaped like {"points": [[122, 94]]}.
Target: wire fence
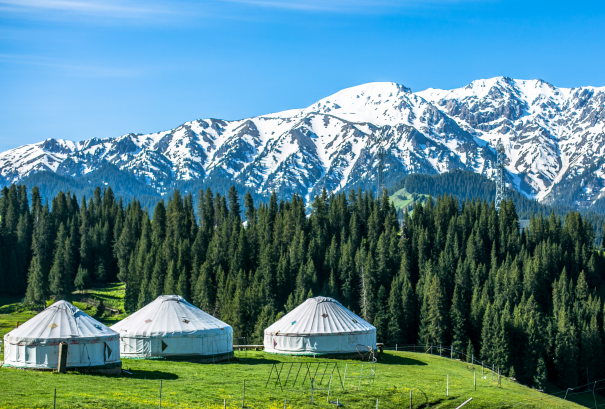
{"points": [[452, 353]]}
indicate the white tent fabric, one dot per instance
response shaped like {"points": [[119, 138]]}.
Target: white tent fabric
{"points": [[320, 325], [35, 344], [171, 327]]}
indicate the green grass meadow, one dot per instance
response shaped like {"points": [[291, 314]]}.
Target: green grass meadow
{"points": [[189, 385], [193, 385]]}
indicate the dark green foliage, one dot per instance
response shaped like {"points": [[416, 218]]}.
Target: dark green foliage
{"points": [[455, 273], [82, 280]]}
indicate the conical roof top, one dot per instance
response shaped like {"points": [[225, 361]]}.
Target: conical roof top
{"points": [[320, 315], [169, 315], [60, 321]]}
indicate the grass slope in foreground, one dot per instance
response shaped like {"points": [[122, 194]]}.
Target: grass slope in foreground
{"points": [[188, 385]]}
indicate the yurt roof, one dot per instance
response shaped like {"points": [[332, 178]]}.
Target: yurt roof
{"points": [[319, 315], [60, 321], [169, 315]]}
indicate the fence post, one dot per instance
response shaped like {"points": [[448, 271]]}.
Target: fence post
{"points": [[410, 398], [376, 403], [55, 398], [395, 347], [475, 380], [492, 372], [160, 406], [244, 395], [224, 403], [440, 348], [451, 352], [360, 374], [473, 361], [499, 384], [448, 386], [482, 368], [285, 403]]}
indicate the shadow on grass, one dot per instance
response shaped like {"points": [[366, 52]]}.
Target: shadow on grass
{"points": [[253, 361], [400, 360], [142, 374]]}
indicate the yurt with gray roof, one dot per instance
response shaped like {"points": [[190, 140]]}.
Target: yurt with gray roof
{"points": [[171, 328], [92, 346], [320, 326]]}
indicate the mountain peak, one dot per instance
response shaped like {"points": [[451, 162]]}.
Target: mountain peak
{"points": [[552, 138]]}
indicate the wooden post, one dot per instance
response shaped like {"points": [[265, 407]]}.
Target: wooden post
{"points": [[224, 403], [55, 399], [482, 368], [285, 403], [410, 398], [448, 385], [475, 380], [499, 385], [376, 403], [451, 352], [62, 365], [160, 394], [473, 361]]}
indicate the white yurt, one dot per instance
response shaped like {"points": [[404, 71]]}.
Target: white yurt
{"points": [[320, 326], [92, 346], [170, 327]]}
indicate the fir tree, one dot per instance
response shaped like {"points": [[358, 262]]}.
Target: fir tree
{"points": [[82, 280]]}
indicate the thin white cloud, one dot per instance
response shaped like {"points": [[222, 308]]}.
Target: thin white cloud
{"points": [[94, 8], [79, 69], [342, 5]]}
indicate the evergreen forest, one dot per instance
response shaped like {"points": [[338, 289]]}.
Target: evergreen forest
{"points": [[451, 272]]}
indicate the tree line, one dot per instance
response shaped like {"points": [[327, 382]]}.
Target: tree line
{"points": [[452, 272]]}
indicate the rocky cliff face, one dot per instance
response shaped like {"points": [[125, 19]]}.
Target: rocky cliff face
{"points": [[554, 140]]}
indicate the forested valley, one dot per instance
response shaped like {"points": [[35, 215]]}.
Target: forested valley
{"points": [[458, 273]]}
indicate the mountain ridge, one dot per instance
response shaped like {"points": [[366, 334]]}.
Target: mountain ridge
{"points": [[554, 140]]}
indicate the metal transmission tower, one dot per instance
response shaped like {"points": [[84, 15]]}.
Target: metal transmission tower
{"points": [[500, 174], [381, 154]]}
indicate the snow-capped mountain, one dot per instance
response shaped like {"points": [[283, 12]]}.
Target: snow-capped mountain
{"points": [[554, 140]]}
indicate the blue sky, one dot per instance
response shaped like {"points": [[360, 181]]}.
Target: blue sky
{"points": [[77, 69]]}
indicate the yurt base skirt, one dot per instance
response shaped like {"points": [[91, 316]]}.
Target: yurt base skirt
{"points": [[327, 355], [195, 358], [114, 368]]}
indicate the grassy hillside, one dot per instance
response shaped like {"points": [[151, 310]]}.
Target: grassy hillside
{"points": [[402, 199], [188, 385]]}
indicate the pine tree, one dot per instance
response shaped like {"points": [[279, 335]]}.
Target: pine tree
{"points": [[437, 314], [458, 319], [204, 289], [470, 352], [396, 320], [171, 279], [82, 279], [566, 351], [59, 277], [37, 286], [540, 378]]}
